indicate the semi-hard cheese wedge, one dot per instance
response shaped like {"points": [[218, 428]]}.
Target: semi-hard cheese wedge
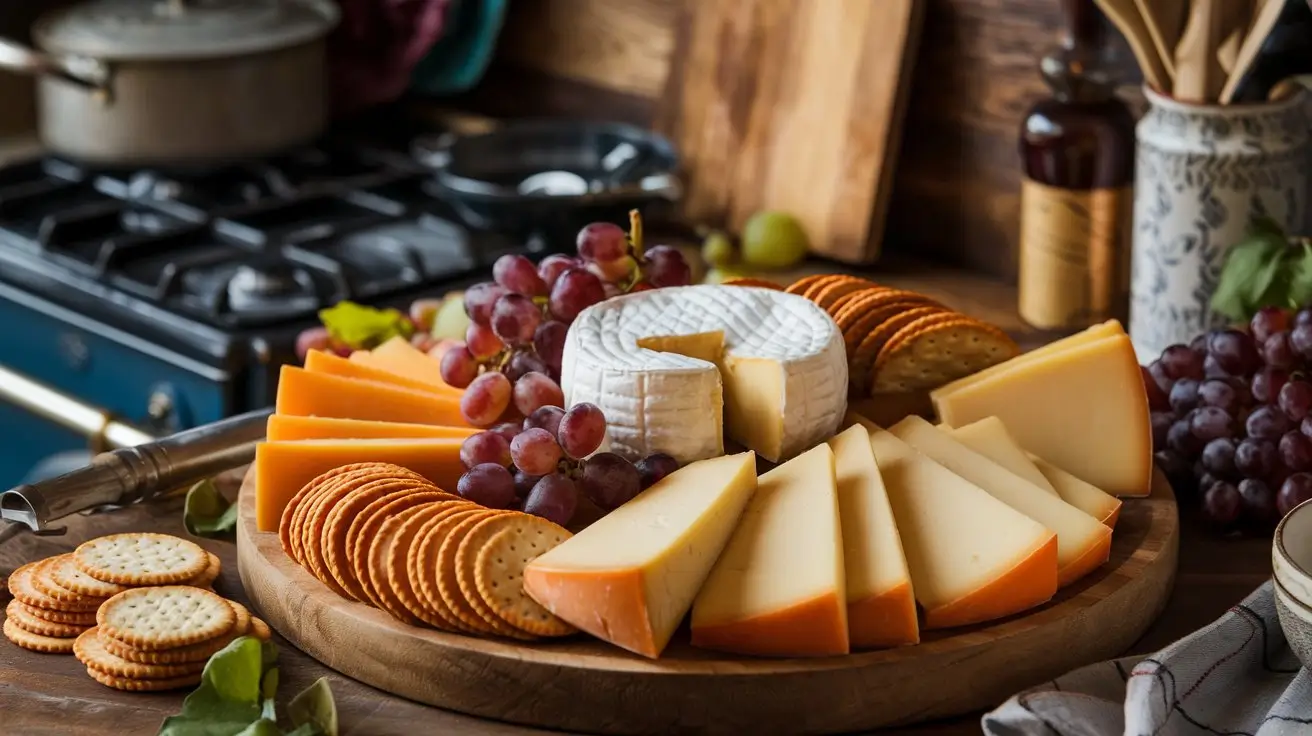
{"points": [[972, 557], [778, 588], [662, 363], [989, 438], [1083, 409], [303, 393], [881, 607], [283, 468], [1083, 543], [630, 577], [1084, 496], [284, 427], [1096, 332], [398, 356], [319, 361]]}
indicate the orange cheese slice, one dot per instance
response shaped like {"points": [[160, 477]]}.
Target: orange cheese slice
{"points": [[972, 557], [399, 357], [285, 427], [779, 587], [302, 393], [283, 468], [318, 361]]}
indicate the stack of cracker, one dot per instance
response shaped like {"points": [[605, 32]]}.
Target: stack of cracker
{"points": [[900, 341], [382, 535]]}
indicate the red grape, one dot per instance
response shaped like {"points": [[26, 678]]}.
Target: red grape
{"points": [[554, 265], [479, 300], [549, 342], [535, 451], [666, 266], [534, 390], [653, 468], [458, 367], [547, 417], [1219, 393], [518, 274], [1259, 503], [602, 241], [1181, 362], [1267, 423], [515, 318], [614, 272], [1210, 423], [575, 291], [486, 399], [1277, 352], [523, 362], [1184, 396], [554, 498], [1296, 399], [1267, 383], [485, 447], [1157, 399], [1158, 372], [1296, 451], [524, 483], [423, 312], [1268, 321], [424, 342], [609, 480], [508, 430], [315, 338], [1303, 317], [1234, 351], [582, 430], [488, 485], [1177, 469], [1255, 458], [1305, 426], [1180, 438], [1199, 345], [482, 342], [1300, 340], [1222, 504], [1161, 422], [1213, 369], [1219, 457], [1296, 489]]}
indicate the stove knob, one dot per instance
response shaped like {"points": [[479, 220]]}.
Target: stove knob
{"points": [[160, 407]]}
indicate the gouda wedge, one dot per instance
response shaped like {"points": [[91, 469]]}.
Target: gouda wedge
{"points": [[302, 393]]}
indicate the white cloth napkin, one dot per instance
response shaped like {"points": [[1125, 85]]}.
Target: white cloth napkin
{"points": [[1236, 677]]}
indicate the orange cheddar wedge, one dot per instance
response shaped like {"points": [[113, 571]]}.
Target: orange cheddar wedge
{"points": [[283, 468], [972, 557], [284, 428], [302, 393], [399, 357], [779, 587], [318, 361]]}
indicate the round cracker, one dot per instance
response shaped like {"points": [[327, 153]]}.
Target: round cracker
{"points": [[454, 594], [871, 315], [829, 294], [753, 283], [499, 575], [260, 630], [16, 612], [141, 558], [36, 642], [210, 574], [76, 618], [23, 589], [288, 532], [141, 685], [938, 349], [873, 343], [371, 520], [180, 655], [70, 583], [800, 286], [165, 617], [395, 586], [466, 561], [342, 516], [90, 650], [871, 299], [422, 564]]}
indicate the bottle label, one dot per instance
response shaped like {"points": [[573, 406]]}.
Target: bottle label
{"points": [[1074, 255]]}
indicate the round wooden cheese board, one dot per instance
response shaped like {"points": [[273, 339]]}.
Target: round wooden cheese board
{"points": [[582, 684]]}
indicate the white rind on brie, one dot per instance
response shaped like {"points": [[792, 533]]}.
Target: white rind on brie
{"points": [[676, 370]]}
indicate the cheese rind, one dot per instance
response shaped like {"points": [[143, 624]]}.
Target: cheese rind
{"points": [[881, 607], [972, 558], [1096, 332], [989, 438], [303, 393], [283, 468], [630, 577], [778, 588], [1085, 496], [1083, 543], [285, 427], [644, 358], [1084, 409]]}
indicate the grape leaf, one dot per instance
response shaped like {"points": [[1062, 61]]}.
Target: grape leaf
{"points": [[1255, 275], [362, 327], [1299, 274], [314, 706], [207, 513]]}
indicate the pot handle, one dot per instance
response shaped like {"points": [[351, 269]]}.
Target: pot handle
{"points": [[90, 74]]}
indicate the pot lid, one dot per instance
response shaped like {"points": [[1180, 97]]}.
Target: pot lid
{"points": [[172, 29]]}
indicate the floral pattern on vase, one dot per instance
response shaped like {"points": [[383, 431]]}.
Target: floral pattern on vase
{"points": [[1202, 174]]}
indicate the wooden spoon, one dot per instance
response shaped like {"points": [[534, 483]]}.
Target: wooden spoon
{"points": [[1164, 20], [1125, 15], [1262, 25], [1197, 72]]}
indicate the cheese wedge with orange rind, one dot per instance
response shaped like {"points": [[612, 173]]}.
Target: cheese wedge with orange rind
{"points": [[287, 427], [303, 393]]}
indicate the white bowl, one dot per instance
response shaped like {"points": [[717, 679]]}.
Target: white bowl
{"points": [[1291, 564]]}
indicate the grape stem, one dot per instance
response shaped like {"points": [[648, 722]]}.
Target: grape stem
{"points": [[635, 233]]}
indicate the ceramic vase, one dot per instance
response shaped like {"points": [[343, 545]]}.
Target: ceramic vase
{"points": [[1202, 174]]}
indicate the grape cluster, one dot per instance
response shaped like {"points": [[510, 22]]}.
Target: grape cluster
{"points": [[1231, 418], [539, 465], [513, 347]]}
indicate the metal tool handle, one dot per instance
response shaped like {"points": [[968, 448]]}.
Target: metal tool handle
{"points": [[90, 74], [137, 473]]}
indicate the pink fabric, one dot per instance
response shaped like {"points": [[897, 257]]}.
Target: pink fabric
{"points": [[376, 47]]}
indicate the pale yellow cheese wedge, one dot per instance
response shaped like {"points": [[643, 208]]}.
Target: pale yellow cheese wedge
{"points": [[881, 608], [778, 588], [1097, 332], [1083, 543], [972, 557], [630, 577], [989, 438], [1083, 409], [1088, 498]]}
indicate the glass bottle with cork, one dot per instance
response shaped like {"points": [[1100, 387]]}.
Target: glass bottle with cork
{"points": [[1077, 151]]}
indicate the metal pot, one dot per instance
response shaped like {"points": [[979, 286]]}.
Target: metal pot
{"points": [[148, 82]]}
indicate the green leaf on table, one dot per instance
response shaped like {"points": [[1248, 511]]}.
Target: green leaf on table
{"points": [[362, 327], [315, 707], [1255, 275], [207, 513]]}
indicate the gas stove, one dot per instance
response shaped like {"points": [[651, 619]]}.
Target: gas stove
{"points": [[168, 299]]}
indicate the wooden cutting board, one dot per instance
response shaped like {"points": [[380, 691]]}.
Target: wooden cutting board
{"points": [[793, 105]]}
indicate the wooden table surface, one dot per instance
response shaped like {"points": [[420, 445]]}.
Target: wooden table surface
{"points": [[47, 694]]}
